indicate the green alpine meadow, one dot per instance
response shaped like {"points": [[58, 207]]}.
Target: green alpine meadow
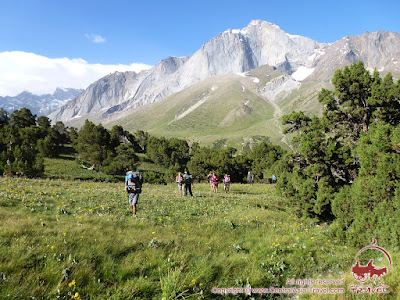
{"points": [[63, 239], [312, 213]]}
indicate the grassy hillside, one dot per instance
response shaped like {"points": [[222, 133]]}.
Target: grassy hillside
{"points": [[225, 110]]}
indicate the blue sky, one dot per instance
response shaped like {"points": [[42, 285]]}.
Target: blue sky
{"points": [[122, 32]]}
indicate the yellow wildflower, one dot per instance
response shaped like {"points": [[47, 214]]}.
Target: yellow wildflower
{"points": [[76, 296], [72, 283]]}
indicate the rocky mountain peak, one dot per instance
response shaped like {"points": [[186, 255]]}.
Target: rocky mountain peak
{"points": [[39, 104], [234, 51]]}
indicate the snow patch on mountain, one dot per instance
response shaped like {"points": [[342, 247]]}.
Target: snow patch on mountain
{"points": [[241, 74], [302, 73]]}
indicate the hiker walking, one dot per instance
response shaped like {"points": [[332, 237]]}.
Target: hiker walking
{"points": [[227, 183], [133, 186], [188, 183], [215, 183], [273, 178], [250, 177], [210, 179], [179, 181]]}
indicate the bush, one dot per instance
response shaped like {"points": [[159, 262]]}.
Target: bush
{"points": [[153, 177]]}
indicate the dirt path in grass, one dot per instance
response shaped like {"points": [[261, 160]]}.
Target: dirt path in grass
{"points": [[277, 117]]}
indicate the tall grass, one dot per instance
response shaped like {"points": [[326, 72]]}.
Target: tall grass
{"points": [[63, 239]]}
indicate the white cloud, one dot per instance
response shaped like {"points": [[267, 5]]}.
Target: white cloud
{"points": [[95, 38], [38, 74]]}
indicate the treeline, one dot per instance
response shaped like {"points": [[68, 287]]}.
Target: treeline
{"points": [[347, 165], [25, 140], [113, 151]]}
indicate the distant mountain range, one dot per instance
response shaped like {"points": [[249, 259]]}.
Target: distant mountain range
{"points": [[241, 82], [39, 105]]}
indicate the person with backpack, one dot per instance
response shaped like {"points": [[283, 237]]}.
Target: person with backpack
{"points": [[227, 183], [273, 178], [179, 181], [133, 186], [188, 183]]}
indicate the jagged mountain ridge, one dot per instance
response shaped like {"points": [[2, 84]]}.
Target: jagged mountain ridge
{"points": [[39, 104], [380, 50], [234, 51]]}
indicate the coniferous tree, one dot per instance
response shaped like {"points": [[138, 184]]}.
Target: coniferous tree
{"points": [[94, 144], [326, 158], [370, 206], [125, 157], [263, 156], [18, 146], [22, 118], [142, 138], [4, 118]]}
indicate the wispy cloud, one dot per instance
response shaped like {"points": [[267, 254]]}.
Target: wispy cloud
{"points": [[95, 38], [38, 74]]}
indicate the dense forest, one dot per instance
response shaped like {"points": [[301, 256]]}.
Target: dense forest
{"points": [[345, 168]]}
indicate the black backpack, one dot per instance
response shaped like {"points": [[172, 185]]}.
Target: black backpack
{"points": [[136, 185]]}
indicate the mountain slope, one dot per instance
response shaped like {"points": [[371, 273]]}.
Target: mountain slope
{"points": [[222, 107], [224, 110], [234, 89], [380, 50], [233, 51]]}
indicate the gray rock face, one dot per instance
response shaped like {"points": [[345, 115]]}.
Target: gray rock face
{"points": [[234, 51], [282, 86], [380, 50]]}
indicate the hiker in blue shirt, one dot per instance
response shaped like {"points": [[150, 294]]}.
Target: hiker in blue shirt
{"points": [[133, 186]]}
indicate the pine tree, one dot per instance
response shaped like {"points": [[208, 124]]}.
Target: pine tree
{"points": [[22, 118], [370, 206], [94, 145], [327, 160]]}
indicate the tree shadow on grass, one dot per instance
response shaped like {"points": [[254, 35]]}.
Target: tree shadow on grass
{"points": [[67, 152]]}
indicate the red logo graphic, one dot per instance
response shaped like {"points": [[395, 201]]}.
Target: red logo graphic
{"points": [[363, 273]]}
